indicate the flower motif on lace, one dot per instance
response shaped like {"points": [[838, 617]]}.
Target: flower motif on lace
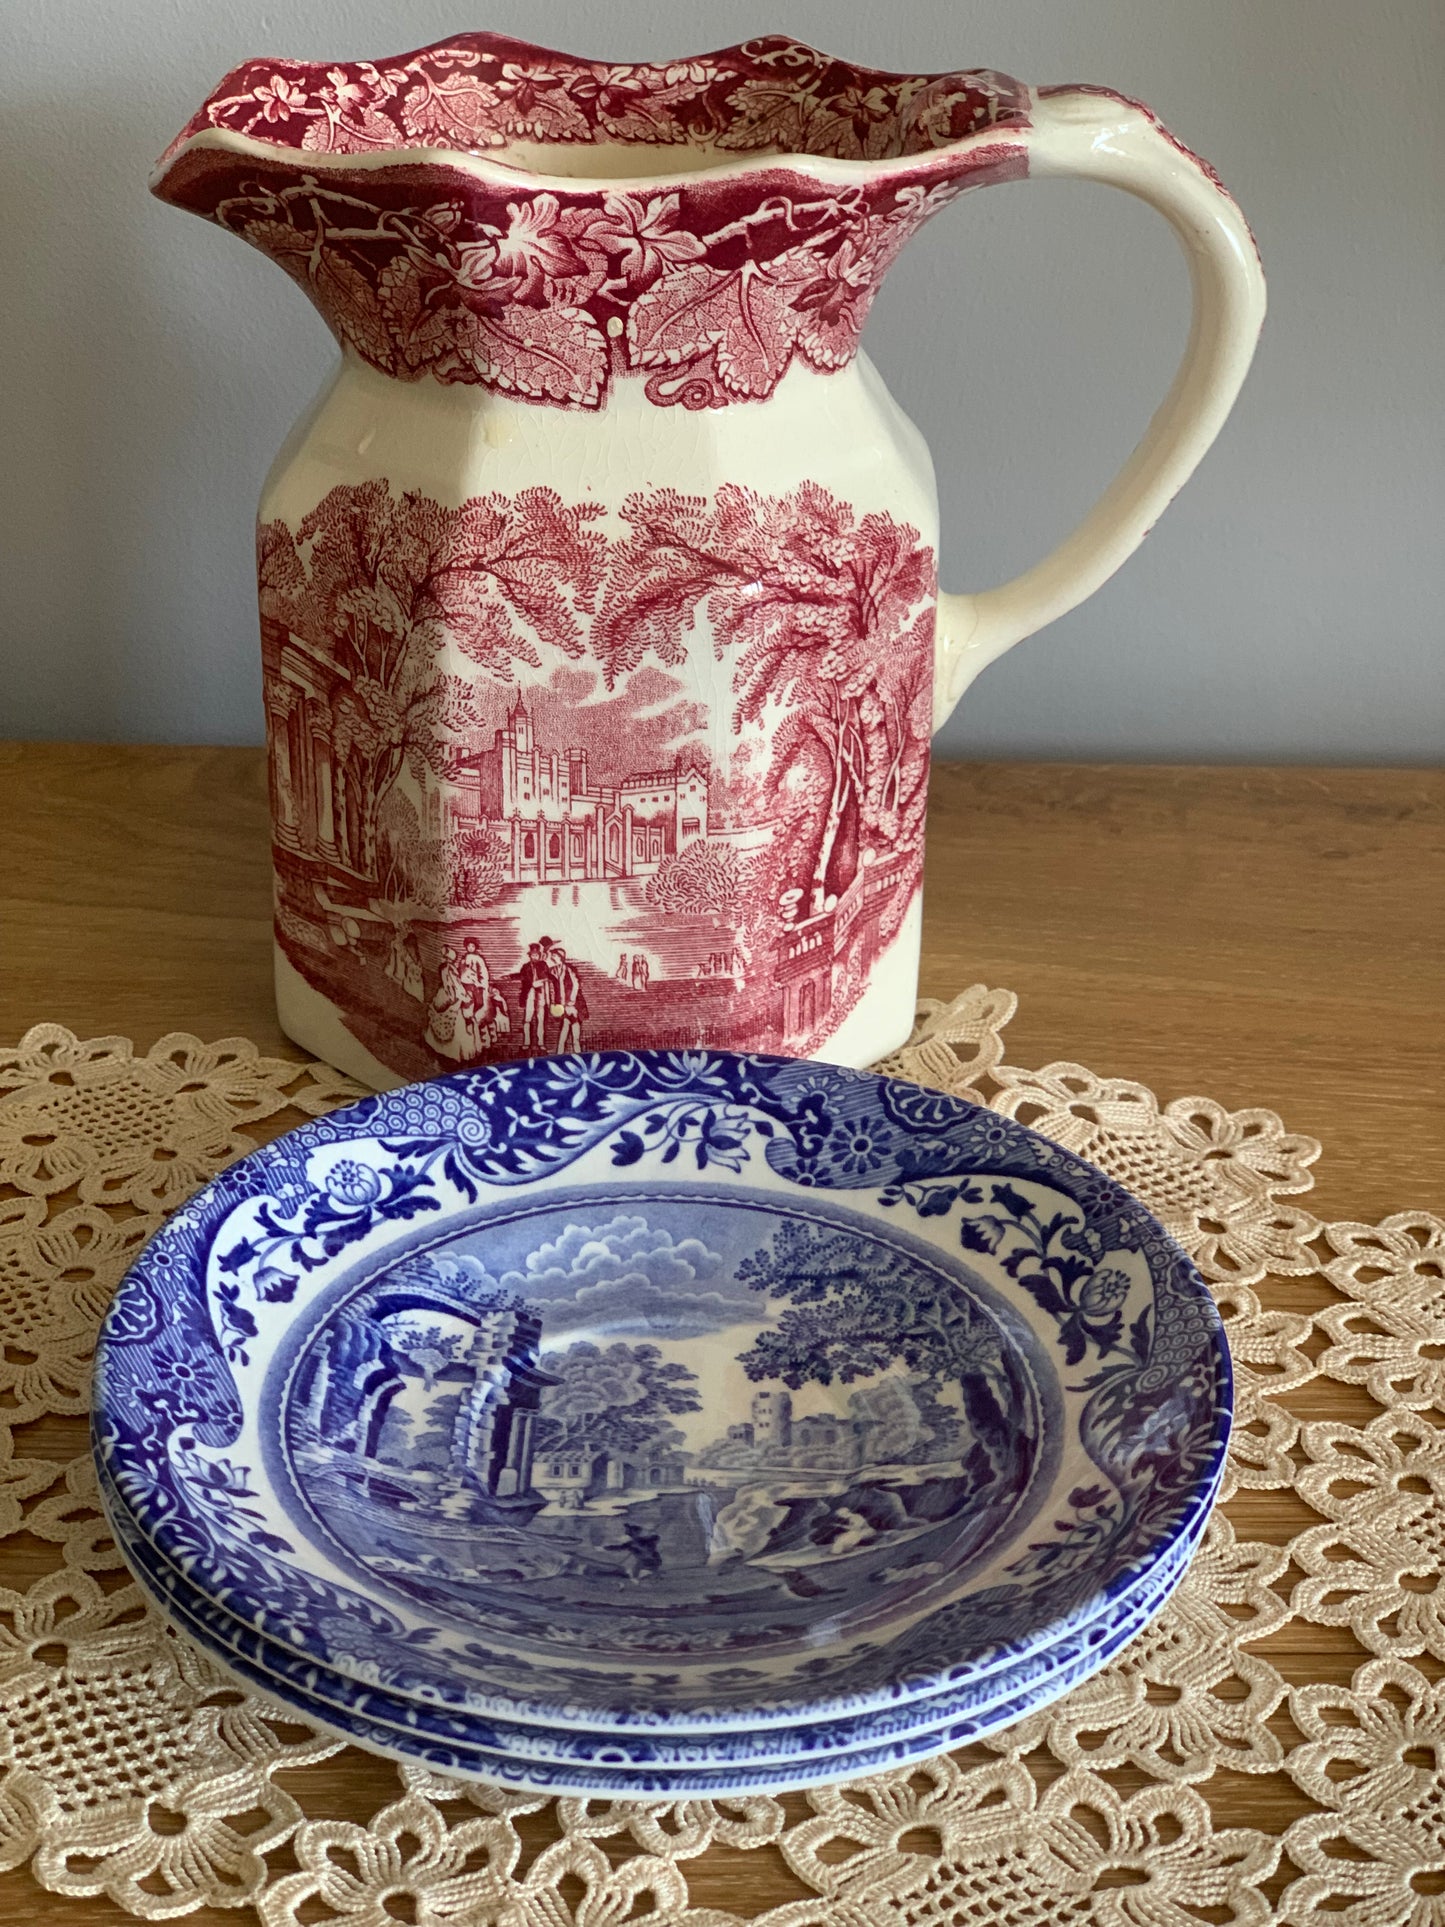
{"points": [[135, 1852], [500, 1801], [1249, 1150], [58, 1277], [682, 1830], [1152, 1860], [641, 1889], [1374, 1758], [407, 1864], [1386, 1337], [1250, 1237], [106, 1720], [1213, 1176], [69, 1516], [1376, 1566], [20, 1481], [1386, 1730], [1184, 1698], [1266, 1349], [1393, 1350], [1403, 1256], [934, 1057], [1361, 1873], [144, 1131], [64, 1618]]}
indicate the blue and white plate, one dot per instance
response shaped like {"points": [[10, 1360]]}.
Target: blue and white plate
{"points": [[680, 1391], [634, 1772], [835, 1740]]}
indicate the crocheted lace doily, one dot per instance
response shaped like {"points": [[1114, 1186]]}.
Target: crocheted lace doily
{"points": [[1296, 1675]]}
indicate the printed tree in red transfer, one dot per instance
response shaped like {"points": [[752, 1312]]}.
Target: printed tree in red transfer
{"points": [[375, 584], [829, 619]]}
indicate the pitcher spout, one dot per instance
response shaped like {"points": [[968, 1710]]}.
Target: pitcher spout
{"points": [[487, 212]]}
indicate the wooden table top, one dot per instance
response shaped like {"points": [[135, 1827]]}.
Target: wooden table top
{"points": [[1260, 936]]}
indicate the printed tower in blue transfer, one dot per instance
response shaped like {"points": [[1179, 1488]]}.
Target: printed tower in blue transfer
{"points": [[356, 1375], [492, 1440], [772, 1420]]}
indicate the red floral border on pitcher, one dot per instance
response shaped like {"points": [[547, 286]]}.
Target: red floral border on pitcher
{"points": [[707, 291], [548, 289], [480, 91]]}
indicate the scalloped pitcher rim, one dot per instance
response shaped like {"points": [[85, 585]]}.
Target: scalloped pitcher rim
{"points": [[418, 108]]}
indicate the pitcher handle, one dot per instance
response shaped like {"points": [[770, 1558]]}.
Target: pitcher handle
{"points": [[1092, 134]]}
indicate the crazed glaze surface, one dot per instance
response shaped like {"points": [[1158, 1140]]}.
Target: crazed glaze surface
{"points": [[471, 1396], [600, 611]]}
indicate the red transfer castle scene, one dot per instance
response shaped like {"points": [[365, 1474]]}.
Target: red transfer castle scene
{"points": [[544, 779]]}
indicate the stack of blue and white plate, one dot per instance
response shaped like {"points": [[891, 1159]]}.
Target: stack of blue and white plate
{"points": [[661, 1424]]}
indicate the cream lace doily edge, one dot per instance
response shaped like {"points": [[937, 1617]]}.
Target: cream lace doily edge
{"points": [[127, 1768]]}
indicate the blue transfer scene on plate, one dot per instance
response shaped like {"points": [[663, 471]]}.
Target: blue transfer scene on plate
{"points": [[663, 1391], [571, 1419]]}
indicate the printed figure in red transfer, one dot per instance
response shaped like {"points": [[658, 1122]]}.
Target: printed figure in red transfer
{"points": [[571, 1004], [539, 993]]}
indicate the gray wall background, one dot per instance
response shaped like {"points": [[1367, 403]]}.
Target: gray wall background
{"points": [[1289, 606]]}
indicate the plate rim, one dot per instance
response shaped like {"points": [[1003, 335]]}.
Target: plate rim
{"points": [[664, 1784], [177, 1592]]}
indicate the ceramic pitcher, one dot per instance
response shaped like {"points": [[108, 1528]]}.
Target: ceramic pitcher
{"points": [[599, 605]]}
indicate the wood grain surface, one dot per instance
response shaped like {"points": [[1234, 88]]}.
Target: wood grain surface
{"points": [[1261, 936]]}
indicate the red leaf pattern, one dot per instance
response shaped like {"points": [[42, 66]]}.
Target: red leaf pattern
{"points": [[742, 317], [481, 90], [707, 288], [545, 354]]}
